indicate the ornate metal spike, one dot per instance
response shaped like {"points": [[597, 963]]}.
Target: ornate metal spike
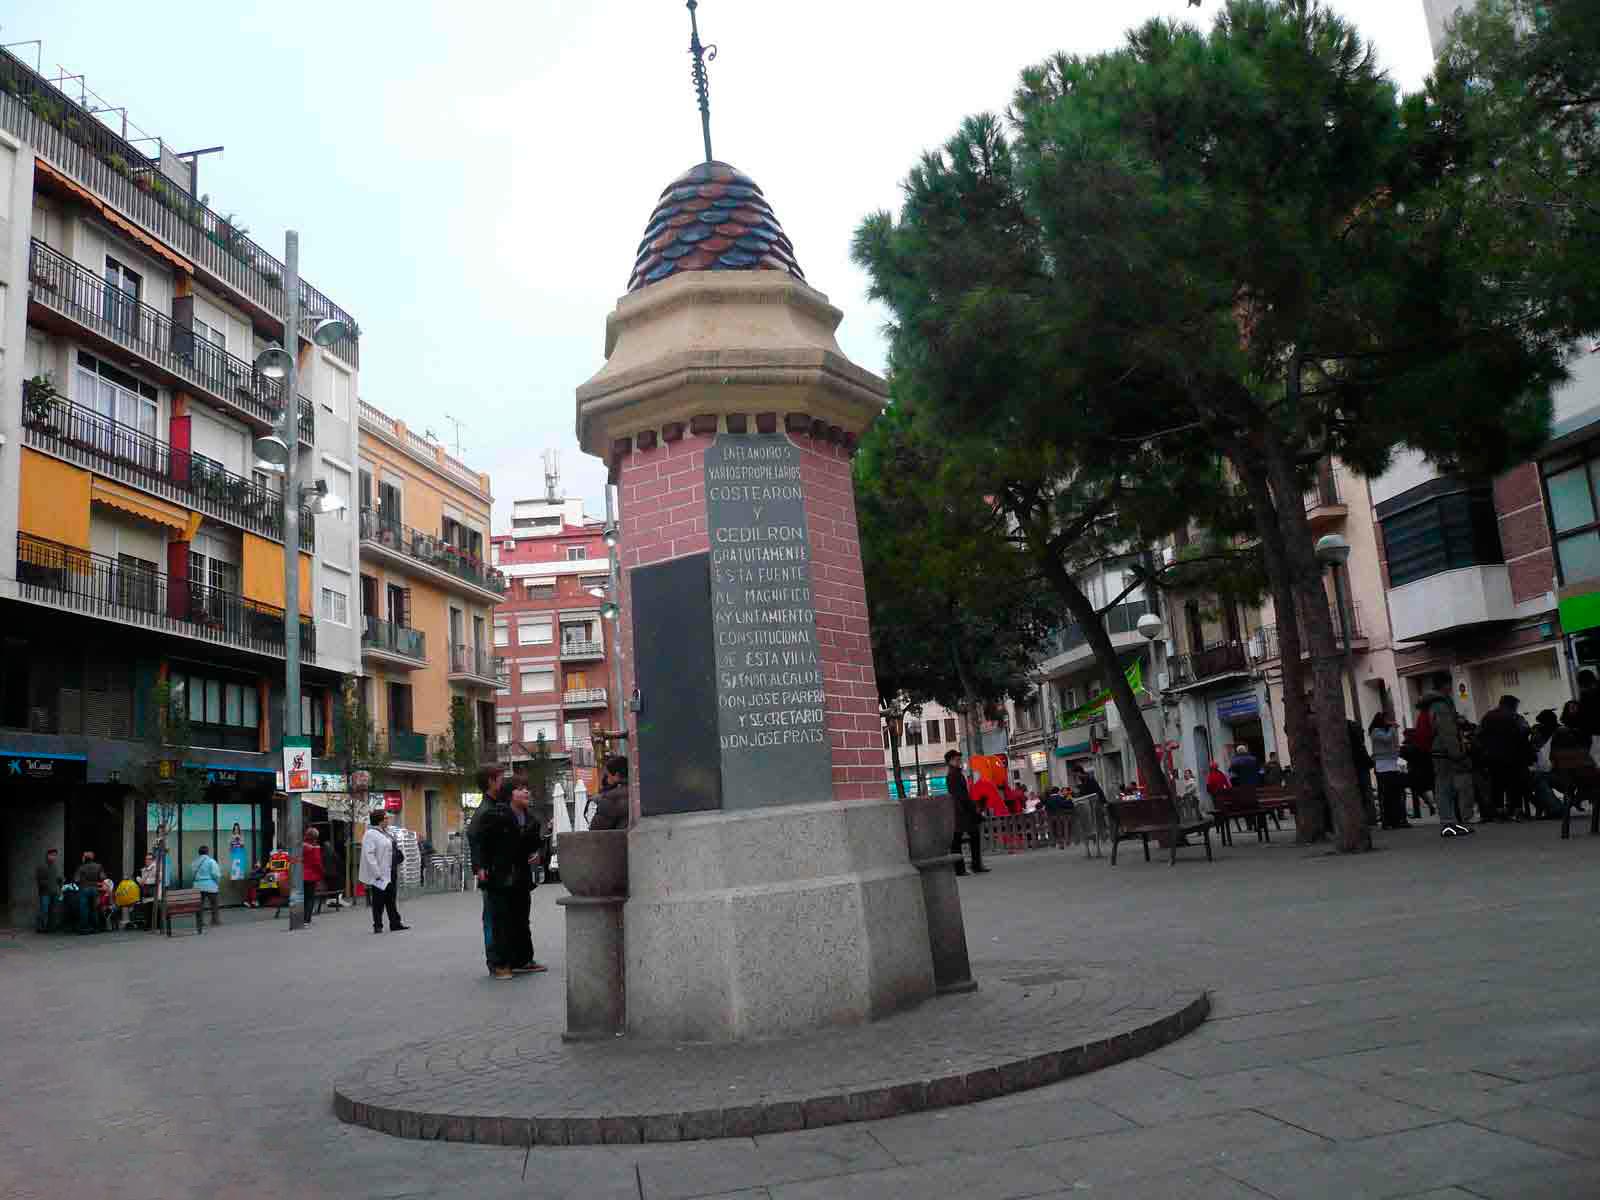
{"points": [[701, 55]]}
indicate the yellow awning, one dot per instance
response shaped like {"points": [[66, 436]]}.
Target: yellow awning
{"points": [[104, 491]]}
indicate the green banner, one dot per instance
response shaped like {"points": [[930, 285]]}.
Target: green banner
{"points": [[1091, 711]]}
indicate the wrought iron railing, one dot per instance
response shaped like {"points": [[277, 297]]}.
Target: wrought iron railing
{"points": [[1220, 658], [1326, 491], [408, 746], [433, 551], [60, 427], [72, 140], [1269, 635], [96, 585], [394, 639], [578, 648], [471, 660], [74, 290], [584, 696]]}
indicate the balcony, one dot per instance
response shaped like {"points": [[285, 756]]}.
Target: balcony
{"points": [[473, 665], [1325, 506], [428, 557], [1216, 661], [393, 645], [1121, 621], [111, 449], [578, 650], [71, 291], [75, 580], [1264, 643], [584, 698], [77, 144], [406, 746]]}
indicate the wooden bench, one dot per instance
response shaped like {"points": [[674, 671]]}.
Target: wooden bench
{"points": [[180, 902], [1155, 815], [1243, 803]]}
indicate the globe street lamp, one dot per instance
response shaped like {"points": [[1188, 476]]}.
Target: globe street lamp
{"points": [[1333, 552], [1151, 627], [281, 447]]}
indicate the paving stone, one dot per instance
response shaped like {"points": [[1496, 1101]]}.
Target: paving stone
{"points": [[1437, 1156], [971, 1177], [1200, 1142], [939, 1134], [1348, 1113], [1546, 1127]]}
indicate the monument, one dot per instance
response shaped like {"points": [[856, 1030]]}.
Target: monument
{"points": [[769, 886]]}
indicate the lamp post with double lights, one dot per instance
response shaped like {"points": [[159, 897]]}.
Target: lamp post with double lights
{"points": [[281, 448]]}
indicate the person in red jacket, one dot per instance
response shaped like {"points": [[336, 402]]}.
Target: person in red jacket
{"points": [[311, 869], [987, 797]]}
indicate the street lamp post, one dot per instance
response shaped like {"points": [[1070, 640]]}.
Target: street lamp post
{"points": [[282, 447], [1333, 552], [1150, 627]]}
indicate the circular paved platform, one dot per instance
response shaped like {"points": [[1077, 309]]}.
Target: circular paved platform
{"points": [[1030, 1024]]}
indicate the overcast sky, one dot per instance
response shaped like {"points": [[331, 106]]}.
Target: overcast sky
{"points": [[470, 180]]}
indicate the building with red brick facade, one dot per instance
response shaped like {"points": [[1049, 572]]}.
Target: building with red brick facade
{"points": [[552, 644]]}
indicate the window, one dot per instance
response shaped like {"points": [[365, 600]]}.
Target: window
{"points": [[223, 713], [335, 596], [533, 728], [577, 633], [1575, 516], [210, 335], [502, 634], [950, 729], [914, 733], [397, 604], [117, 396], [1443, 533], [312, 722], [336, 393], [502, 731], [502, 674], [541, 589], [137, 583], [534, 682], [389, 508], [534, 630], [594, 581], [933, 732], [576, 554], [123, 288], [339, 485]]}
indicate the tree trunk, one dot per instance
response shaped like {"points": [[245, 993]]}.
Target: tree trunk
{"points": [[1327, 698], [1309, 822], [1094, 629]]}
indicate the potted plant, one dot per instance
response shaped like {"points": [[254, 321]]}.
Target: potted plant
{"points": [[38, 398]]}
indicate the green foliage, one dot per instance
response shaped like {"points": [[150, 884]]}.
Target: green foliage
{"points": [[956, 613], [160, 777], [357, 746], [458, 751], [1512, 114]]}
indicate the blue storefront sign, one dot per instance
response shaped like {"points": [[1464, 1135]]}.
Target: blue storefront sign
{"points": [[1238, 708], [58, 768]]}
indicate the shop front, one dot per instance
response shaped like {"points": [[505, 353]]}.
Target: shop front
{"points": [[234, 819], [37, 792]]}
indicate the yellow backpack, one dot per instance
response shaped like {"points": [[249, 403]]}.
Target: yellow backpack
{"points": [[127, 894]]}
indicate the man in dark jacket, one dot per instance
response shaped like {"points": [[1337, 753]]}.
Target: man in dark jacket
{"points": [[509, 842], [968, 823], [1505, 749], [48, 881], [88, 878], [489, 777]]}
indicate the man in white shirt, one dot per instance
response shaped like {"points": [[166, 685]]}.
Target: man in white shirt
{"points": [[378, 853]]}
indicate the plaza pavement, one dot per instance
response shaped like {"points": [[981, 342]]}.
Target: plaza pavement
{"points": [[1418, 1022]]}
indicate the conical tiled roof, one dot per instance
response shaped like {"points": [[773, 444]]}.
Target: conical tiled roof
{"points": [[712, 218]]}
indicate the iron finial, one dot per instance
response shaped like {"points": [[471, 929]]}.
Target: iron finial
{"points": [[701, 55]]}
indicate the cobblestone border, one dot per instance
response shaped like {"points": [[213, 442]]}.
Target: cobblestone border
{"points": [[779, 1116]]}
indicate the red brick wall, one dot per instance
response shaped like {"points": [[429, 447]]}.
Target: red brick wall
{"points": [[663, 516], [1524, 532]]}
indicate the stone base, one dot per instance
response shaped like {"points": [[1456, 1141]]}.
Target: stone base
{"points": [[595, 993], [775, 921]]}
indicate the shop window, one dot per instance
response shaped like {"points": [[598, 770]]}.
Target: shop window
{"points": [[223, 713]]}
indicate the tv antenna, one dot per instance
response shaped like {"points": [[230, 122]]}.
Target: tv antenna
{"points": [[552, 475], [459, 424]]}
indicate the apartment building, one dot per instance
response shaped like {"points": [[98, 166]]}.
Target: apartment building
{"points": [[556, 648], [141, 540], [428, 597]]}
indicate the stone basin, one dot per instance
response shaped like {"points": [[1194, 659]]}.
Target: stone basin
{"points": [[594, 862], [930, 826]]}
